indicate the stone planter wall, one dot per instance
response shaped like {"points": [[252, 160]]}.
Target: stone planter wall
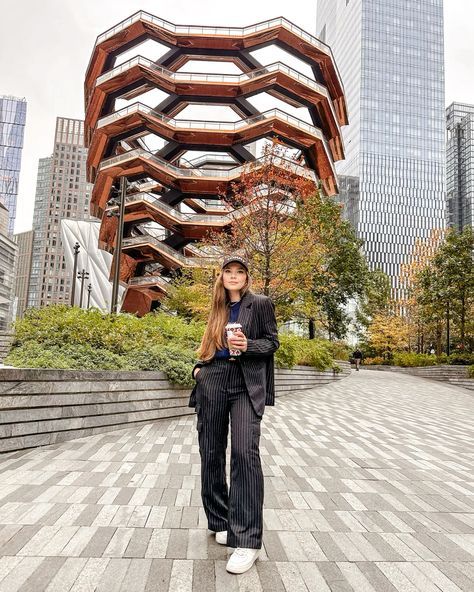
{"points": [[6, 340], [41, 407], [446, 373]]}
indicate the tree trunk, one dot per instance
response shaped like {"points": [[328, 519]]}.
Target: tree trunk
{"points": [[311, 329], [439, 338]]}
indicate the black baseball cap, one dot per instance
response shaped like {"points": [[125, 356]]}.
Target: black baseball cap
{"points": [[235, 259]]}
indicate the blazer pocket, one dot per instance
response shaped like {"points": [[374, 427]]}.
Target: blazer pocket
{"points": [[198, 375]]}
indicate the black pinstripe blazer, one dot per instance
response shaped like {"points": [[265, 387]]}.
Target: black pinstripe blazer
{"points": [[257, 317]]}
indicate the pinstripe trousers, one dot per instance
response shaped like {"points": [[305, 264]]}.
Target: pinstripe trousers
{"points": [[239, 508]]}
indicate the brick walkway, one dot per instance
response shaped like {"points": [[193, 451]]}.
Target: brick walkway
{"points": [[369, 487]]}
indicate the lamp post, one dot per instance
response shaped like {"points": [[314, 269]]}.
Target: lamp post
{"points": [[89, 290], [74, 271], [118, 242], [82, 275]]}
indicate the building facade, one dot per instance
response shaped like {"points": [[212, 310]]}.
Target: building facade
{"points": [[61, 192], [12, 129], [8, 251], [391, 58], [24, 241], [460, 165]]}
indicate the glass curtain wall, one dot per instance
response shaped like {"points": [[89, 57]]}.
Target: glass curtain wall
{"points": [[391, 57], [12, 128]]}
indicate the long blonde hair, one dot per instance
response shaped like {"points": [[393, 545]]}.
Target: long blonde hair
{"points": [[213, 338]]}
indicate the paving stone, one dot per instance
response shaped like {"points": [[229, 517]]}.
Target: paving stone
{"points": [[113, 575], [159, 575], [368, 486], [137, 575], [203, 576], [138, 543], [181, 579], [270, 578], [98, 542]]}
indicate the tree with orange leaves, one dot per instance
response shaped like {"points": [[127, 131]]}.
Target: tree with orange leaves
{"points": [[268, 228], [422, 331]]}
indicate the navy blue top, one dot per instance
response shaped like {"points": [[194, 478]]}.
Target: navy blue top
{"points": [[233, 316]]}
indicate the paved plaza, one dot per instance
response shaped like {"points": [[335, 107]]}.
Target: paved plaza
{"points": [[369, 486]]}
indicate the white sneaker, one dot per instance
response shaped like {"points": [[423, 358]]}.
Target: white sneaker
{"points": [[241, 560], [221, 537]]}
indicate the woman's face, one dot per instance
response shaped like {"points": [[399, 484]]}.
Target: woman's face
{"points": [[234, 276]]}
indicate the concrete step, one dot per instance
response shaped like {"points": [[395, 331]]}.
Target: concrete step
{"points": [[41, 407], [6, 340]]}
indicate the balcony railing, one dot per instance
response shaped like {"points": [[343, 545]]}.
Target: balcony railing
{"points": [[218, 31], [191, 173], [169, 251]]}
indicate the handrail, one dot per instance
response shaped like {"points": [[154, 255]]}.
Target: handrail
{"points": [[160, 246], [148, 279], [203, 77], [142, 15], [211, 157], [227, 174], [220, 78], [203, 123], [212, 220], [211, 125]]}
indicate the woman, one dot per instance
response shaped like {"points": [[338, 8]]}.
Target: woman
{"points": [[236, 387]]}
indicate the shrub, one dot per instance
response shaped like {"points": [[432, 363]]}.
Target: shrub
{"points": [[411, 360], [316, 353], [72, 357], [461, 358], [62, 337], [470, 371], [177, 363], [65, 325], [376, 361], [286, 355], [296, 350], [339, 350]]}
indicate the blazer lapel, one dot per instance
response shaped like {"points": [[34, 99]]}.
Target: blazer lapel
{"points": [[245, 313]]}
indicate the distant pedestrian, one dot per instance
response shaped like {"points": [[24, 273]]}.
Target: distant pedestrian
{"points": [[357, 356]]}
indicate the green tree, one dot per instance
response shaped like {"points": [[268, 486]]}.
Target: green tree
{"points": [[376, 298], [453, 263], [302, 253], [343, 272]]}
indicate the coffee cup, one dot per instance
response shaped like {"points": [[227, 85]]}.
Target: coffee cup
{"points": [[230, 329]]}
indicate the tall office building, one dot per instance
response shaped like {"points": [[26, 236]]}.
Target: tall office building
{"points": [[42, 199], [24, 241], [8, 250], [391, 58], [460, 165], [61, 192], [12, 128]]}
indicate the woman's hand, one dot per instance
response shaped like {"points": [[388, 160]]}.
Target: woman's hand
{"points": [[238, 341]]}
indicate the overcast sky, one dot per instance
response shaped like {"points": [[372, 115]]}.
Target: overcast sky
{"points": [[45, 46]]}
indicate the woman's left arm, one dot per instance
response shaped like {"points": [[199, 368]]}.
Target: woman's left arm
{"points": [[268, 343]]}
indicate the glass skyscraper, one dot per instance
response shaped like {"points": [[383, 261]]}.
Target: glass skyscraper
{"points": [[390, 54], [460, 165], [12, 128]]}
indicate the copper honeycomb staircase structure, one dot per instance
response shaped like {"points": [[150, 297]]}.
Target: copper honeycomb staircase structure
{"points": [[158, 236]]}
